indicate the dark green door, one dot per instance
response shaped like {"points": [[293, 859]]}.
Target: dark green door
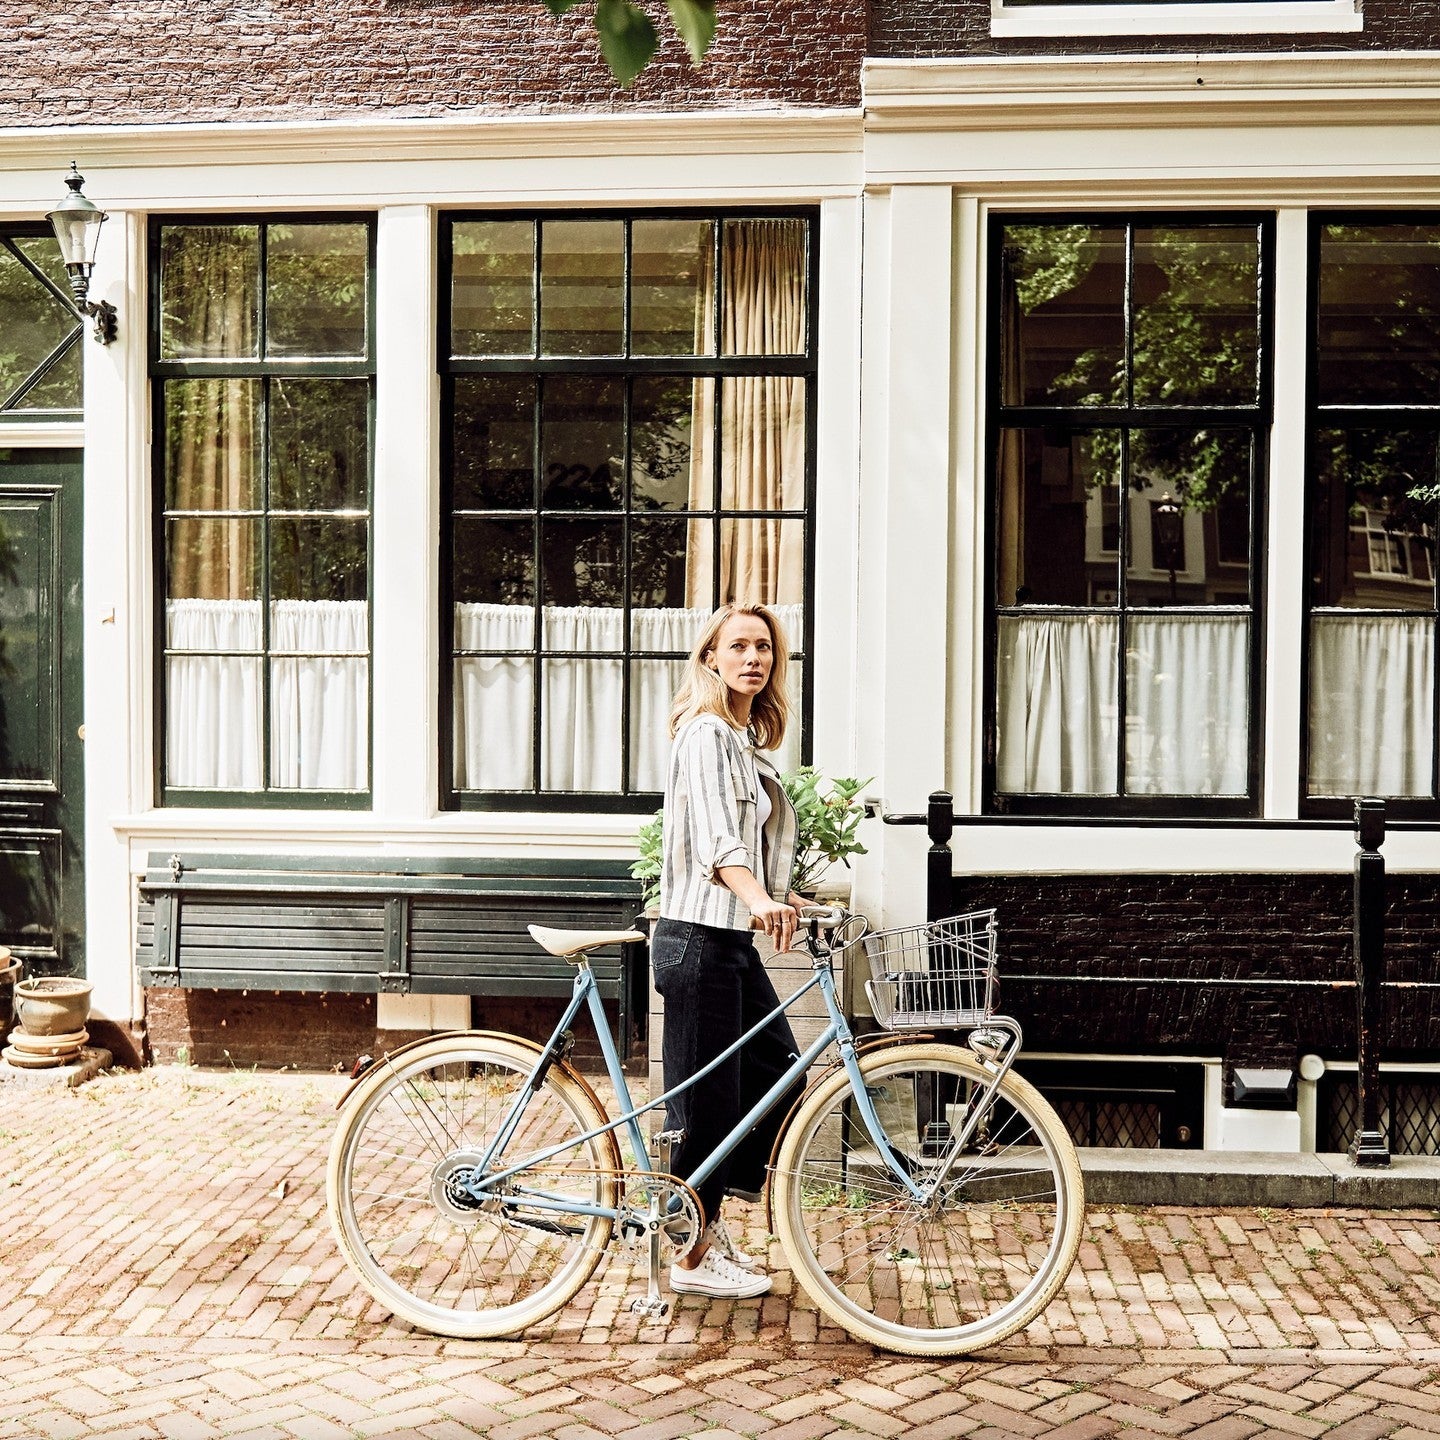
{"points": [[42, 798]]}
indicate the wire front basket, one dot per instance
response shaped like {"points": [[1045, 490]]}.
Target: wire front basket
{"points": [[936, 975]]}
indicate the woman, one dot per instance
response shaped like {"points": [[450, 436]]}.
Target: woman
{"points": [[729, 846]]}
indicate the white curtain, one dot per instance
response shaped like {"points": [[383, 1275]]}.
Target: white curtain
{"points": [[580, 740], [1371, 683], [1057, 691], [1186, 678], [1187, 699], [319, 703]]}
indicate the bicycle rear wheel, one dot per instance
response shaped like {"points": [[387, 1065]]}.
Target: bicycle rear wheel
{"points": [[981, 1257], [421, 1122]]}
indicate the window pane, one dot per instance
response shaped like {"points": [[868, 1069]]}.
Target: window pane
{"points": [[319, 444], [1373, 512], [313, 559], [580, 724], [582, 287], [1378, 315], [653, 684], [1056, 704], [763, 287], [1181, 481], [212, 444], [209, 292], [1058, 530], [212, 559], [492, 288], [494, 561], [761, 561], [671, 304], [1187, 729], [1195, 295], [582, 459], [60, 387], [316, 292], [762, 443], [213, 728], [1372, 687], [493, 435], [672, 440], [670, 564], [1062, 304], [583, 565], [34, 322], [494, 713], [318, 716]]}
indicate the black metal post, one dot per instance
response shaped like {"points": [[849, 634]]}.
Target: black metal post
{"points": [[1370, 1146], [939, 877]]}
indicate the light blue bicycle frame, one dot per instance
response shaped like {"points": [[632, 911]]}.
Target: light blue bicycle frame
{"points": [[586, 993]]}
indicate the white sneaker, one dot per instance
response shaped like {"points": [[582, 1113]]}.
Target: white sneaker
{"points": [[715, 1275], [721, 1239]]}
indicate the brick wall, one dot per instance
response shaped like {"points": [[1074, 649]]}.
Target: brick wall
{"points": [[270, 1029], [915, 28], [206, 60], [1116, 956]]}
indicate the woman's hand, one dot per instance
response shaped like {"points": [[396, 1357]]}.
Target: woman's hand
{"points": [[776, 919]]}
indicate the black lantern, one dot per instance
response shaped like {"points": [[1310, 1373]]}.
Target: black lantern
{"points": [[1167, 537], [76, 222]]}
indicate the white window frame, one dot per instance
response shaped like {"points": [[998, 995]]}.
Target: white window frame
{"points": [[1173, 17]]}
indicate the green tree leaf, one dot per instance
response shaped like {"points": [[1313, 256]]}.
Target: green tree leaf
{"points": [[695, 20], [559, 7], [627, 38]]}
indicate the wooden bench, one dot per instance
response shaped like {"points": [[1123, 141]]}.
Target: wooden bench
{"points": [[382, 925]]}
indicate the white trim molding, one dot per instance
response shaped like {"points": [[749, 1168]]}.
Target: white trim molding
{"points": [[1173, 17], [1120, 92]]}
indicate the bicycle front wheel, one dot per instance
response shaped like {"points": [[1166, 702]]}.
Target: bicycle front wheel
{"points": [[413, 1131], [985, 1250]]}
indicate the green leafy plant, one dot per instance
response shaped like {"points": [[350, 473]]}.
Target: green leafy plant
{"points": [[628, 37], [829, 813]]}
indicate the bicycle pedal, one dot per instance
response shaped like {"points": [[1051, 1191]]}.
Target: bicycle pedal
{"points": [[656, 1309]]}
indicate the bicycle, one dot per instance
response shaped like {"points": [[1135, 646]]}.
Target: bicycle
{"points": [[927, 1197]]}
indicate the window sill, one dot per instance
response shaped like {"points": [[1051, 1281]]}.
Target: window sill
{"points": [[1157, 17]]}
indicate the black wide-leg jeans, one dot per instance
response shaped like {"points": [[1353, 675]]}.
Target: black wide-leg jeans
{"points": [[715, 988]]}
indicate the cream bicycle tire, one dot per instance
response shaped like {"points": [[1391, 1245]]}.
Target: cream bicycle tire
{"points": [[918, 1280], [406, 1129]]}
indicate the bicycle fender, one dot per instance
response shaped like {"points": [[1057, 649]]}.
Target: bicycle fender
{"points": [[863, 1047], [563, 1065]]}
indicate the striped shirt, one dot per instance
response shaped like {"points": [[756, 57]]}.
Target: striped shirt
{"points": [[712, 819]]}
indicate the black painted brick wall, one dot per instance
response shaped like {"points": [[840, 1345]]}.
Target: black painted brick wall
{"points": [[1105, 952], [931, 28]]}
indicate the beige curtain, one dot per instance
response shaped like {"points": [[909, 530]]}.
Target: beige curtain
{"points": [[762, 437], [213, 430]]}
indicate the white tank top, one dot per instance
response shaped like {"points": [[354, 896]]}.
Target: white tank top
{"points": [[762, 795]]}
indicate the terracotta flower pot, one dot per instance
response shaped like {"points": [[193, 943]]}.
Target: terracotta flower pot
{"points": [[52, 1005]]}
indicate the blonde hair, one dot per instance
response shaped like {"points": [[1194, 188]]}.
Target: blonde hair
{"points": [[703, 692]]}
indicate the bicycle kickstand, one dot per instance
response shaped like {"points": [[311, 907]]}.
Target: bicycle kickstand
{"points": [[653, 1305]]}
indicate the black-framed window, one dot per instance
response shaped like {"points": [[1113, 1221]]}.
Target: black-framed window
{"points": [[262, 360], [1373, 507], [628, 441], [40, 371], [1129, 399]]}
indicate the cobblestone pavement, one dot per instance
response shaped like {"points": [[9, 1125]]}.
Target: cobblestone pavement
{"points": [[166, 1269]]}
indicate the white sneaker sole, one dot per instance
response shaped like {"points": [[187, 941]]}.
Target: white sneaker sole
{"points": [[683, 1284]]}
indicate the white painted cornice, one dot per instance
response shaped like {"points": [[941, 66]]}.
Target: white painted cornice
{"points": [[462, 137], [1124, 91]]}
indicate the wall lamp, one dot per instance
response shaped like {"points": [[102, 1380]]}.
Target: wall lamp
{"points": [[76, 222]]}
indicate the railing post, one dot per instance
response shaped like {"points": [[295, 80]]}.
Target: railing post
{"points": [[939, 875], [1370, 1146]]}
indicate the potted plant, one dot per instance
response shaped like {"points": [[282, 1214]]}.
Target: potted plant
{"points": [[829, 813]]}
